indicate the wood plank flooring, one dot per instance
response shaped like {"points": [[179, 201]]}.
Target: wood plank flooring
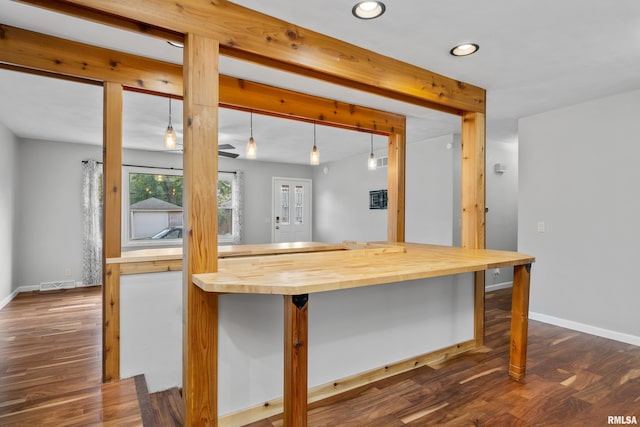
{"points": [[50, 376], [50, 364], [573, 379]]}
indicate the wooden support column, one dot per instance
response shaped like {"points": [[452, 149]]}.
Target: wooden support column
{"points": [[296, 347], [111, 243], [519, 321], [200, 162], [396, 177], [473, 204]]}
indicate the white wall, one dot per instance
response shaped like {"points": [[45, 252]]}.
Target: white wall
{"points": [[579, 175], [8, 195], [341, 196], [49, 204], [429, 191], [49, 226], [341, 201], [502, 201]]}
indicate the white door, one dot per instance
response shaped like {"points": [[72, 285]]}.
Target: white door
{"points": [[291, 218]]}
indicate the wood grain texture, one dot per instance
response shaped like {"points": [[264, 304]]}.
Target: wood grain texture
{"points": [[519, 321], [61, 57], [43, 52], [296, 347], [473, 181], [51, 367], [111, 243], [250, 35], [308, 273], [231, 251], [200, 158], [396, 183]]}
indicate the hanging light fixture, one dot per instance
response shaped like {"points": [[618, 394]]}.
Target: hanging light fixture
{"points": [[314, 156], [170, 134], [252, 149], [373, 163]]}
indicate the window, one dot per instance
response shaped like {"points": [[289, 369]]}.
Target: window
{"points": [[152, 207]]}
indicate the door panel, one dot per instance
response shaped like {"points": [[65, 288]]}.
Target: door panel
{"points": [[291, 218]]}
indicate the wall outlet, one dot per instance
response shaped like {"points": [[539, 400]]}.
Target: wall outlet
{"points": [[67, 272], [496, 272]]}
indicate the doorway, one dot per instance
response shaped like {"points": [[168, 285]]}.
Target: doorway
{"points": [[291, 212]]}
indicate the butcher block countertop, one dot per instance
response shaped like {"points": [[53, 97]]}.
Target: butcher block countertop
{"points": [[362, 265], [167, 254]]}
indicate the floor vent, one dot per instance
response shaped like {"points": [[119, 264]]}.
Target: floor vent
{"points": [[60, 284]]}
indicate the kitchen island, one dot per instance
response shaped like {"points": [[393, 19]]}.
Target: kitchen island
{"points": [[297, 276]]}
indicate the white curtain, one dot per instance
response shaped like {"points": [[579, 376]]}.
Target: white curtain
{"points": [[92, 224], [238, 207]]}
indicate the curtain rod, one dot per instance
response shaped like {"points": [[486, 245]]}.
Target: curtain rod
{"points": [[153, 167]]}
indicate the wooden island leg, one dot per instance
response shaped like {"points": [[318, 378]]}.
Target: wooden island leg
{"points": [[519, 321], [296, 327]]}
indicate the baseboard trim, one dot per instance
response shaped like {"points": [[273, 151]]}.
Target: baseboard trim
{"points": [[324, 391], [9, 297], [587, 329], [31, 288], [498, 286]]}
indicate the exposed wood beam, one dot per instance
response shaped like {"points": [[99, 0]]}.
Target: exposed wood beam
{"points": [[254, 36], [50, 55], [111, 244], [200, 253]]}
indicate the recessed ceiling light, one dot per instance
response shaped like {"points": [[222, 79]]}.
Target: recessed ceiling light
{"points": [[368, 9], [464, 49], [175, 44]]}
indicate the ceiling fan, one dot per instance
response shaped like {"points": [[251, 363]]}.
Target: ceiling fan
{"points": [[221, 151]]}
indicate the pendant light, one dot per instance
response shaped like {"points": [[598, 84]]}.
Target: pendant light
{"points": [[314, 156], [252, 149], [170, 134], [373, 163]]}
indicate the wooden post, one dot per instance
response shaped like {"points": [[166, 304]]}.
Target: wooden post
{"points": [[519, 321], [111, 244], [200, 160], [396, 177], [296, 347], [473, 204]]}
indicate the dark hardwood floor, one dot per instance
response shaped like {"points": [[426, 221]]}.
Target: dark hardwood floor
{"points": [[50, 375], [50, 364]]}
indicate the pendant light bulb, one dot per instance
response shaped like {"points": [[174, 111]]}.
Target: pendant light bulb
{"points": [[252, 148], [170, 134], [170, 138], [373, 163], [314, 156]]}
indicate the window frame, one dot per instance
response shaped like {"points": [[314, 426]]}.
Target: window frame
{"points": [[127, 242]]}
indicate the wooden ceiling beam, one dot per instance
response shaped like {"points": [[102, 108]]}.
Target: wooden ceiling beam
{"points": [[48, 55], [250, 35]]}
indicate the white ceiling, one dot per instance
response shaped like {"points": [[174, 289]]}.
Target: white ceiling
{"points": [[534, 56]]}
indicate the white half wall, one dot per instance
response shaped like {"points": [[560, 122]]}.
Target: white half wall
{"points": [[8, 213], [578, 212], [350, 332]]}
